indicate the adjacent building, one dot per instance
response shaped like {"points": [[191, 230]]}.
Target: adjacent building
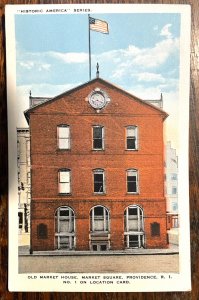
{"points": [[24, 180], [97, 171], [171, 192]]}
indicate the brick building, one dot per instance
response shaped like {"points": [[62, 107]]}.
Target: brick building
{"points": [[97, 171]]}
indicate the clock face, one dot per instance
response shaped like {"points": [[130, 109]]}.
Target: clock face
{"points": [[97, 100]]}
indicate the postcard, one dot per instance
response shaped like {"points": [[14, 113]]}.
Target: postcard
{"points": [[98, 102]]}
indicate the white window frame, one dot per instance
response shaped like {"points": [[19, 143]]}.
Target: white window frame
{"points": [[64, 138], [174, 176], [99, 171], [174, 190], [140, 230], [137, 180], [174, 222], [70, 234], [93, 138], [28, 178], [62, 182], [105, 217], [135, 136]]}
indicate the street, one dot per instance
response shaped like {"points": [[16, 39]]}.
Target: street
{"points": [[139, 263]]}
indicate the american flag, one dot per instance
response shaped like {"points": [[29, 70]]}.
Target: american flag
{"points": [[98, 25]]}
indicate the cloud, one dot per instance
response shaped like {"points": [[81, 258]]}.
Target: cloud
{"points": [[37, 90], [145, 93], [27, 64], [170, 105], [33, 61], [118, 73], [156, 56], [149, 77], [71, 57], [165, 31], [139, 59], [116, 65], [44, 67], [45, 89]]}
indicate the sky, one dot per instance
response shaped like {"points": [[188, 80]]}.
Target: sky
{"points": [[140, 54]]}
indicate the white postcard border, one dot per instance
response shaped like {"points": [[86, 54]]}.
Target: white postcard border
{"points": [[32, 282]]}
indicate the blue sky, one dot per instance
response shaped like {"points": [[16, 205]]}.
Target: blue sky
{"points": [[140, 54]]}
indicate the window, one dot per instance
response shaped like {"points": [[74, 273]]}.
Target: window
{"points": [[99, 186], [155, 229], [64, 181], [175, 206], [99, 247], [131, 138], [175, 222], [174, 176], [63, 137], [20, 219], [134, 227], [28, 178], [65, 228], [99, 236], [132, 181], [42, 231], [28, 151], [174, 190], [98, 137], [99, 219]]}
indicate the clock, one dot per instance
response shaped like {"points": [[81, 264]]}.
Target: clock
{"points": [[98, 99]]}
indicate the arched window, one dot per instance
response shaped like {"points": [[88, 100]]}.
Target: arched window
{"points": [[134, 227], [99, 228], [63, 136], [65, 228], [99, 219]]}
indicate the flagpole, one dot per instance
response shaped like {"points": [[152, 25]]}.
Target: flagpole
{"points": [[89, 46]]}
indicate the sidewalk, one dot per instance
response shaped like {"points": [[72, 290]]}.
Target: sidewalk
{"points": [[24, 251]]}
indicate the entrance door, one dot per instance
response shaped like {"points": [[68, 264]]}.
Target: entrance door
{"points": [[134, 227], [99, 229], [64, 228]]}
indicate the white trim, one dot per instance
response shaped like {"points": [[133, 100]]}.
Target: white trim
{"points": [[66, 184], [137, 180], [99, 171], [66, 138], [140, 226], [103, 137], [135, 128], [70, 234]]}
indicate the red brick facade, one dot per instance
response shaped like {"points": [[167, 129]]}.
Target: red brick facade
{"points": [[72, 108]]}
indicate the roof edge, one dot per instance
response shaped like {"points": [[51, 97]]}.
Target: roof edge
{"points": [[26, 113]]}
